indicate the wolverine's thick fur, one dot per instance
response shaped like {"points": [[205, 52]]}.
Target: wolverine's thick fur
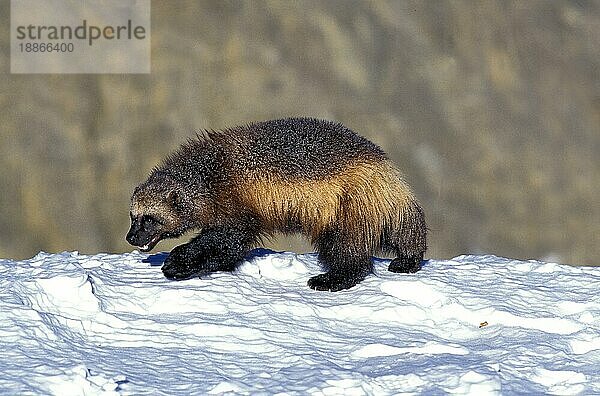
{"points": [[292, 175]]}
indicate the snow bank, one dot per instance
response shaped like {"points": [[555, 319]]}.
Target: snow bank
{"points": [[112, 324]]}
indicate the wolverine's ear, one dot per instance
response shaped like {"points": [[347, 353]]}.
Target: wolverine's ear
{"points": [[174, 199]]}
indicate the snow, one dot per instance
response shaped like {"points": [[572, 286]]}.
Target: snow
{"points": [[112, 324]]}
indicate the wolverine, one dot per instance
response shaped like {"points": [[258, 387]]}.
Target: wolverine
{"points": [[315, 177]]}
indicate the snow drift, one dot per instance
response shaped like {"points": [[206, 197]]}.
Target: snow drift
{"points": [[112, 324]]}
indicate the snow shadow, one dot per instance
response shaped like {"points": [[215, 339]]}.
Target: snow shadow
{"points": [[156, 260], [259, 253]]}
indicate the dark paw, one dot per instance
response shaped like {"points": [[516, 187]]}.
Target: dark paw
{"points": [[332, 282], [186, 262], [405, 264], [179, 265], [179, 271]]}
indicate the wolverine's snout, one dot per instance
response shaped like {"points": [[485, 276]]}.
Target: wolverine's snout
{"points": [[143, 234], [132, 236]]}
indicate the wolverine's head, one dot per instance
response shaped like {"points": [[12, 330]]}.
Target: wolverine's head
{"points": [[158, 207]]}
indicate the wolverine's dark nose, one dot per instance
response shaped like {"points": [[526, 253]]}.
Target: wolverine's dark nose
{"points": [[132, 234], [130, 237]]}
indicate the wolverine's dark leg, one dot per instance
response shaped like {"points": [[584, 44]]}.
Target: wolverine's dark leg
{"points": [[214, 249], [408, 257], [346, 263], [408, 241]]}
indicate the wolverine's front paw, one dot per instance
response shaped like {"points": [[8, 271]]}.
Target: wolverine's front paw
{"points": [[180, 265], [177, 271]]}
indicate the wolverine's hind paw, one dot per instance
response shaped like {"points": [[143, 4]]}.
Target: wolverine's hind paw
{"points": [[406, 264], [332, 282]]}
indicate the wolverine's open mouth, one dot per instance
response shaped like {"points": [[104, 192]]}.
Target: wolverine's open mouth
{"points": [[150, 245]]}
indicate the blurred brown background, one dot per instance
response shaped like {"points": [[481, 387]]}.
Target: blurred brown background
{"points": [[492, 109]]}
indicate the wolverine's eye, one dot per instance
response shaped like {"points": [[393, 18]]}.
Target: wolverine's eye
{"points": [[150, 221]]}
